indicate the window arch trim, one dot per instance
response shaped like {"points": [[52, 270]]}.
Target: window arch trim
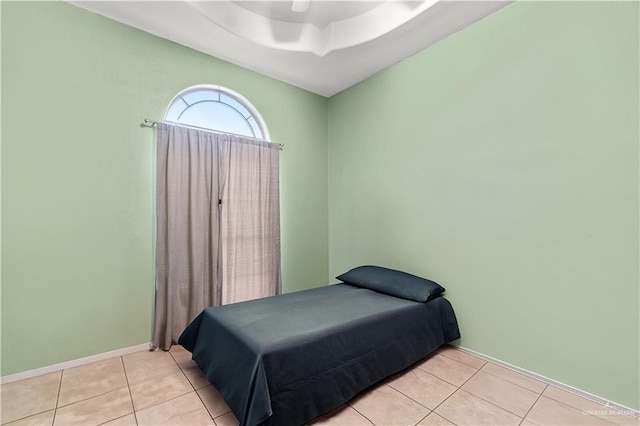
{"points": [[227, 92]]}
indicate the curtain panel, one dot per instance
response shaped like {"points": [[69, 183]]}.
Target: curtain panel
{"points": [[218, 224], [251, 223]]}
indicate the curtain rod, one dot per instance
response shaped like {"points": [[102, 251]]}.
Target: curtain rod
{"points": [[151, 123]]}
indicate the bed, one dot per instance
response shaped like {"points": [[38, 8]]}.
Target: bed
{"points": [[284, 360]]}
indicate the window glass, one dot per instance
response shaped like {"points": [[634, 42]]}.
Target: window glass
{"points": [[235, 105], [201, 95], [216, 109]]}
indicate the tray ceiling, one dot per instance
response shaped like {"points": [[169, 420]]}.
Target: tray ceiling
{"points": [[325, 49]]}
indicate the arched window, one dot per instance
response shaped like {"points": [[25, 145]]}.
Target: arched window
{"points": [[216, 108], [226, 188]]}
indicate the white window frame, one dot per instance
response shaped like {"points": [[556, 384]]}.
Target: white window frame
{"points": [[230, 93]]}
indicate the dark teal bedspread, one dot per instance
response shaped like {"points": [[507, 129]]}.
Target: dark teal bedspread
{"points": [[287, 359]]}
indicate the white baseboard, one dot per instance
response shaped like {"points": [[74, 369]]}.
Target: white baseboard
{"points": [[599, 400], [73, 363]]}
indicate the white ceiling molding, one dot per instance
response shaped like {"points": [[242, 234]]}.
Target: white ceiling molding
{"points": [[307, 37], [331, 46], [319, 13]]}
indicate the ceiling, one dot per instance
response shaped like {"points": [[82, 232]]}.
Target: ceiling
{"points": [[325, 49]]}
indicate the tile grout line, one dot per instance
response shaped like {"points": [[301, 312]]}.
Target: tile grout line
{"points": [[126, 378], [506, 381], [57, 406], [470, 377], [207, 408], [67, 365], [196, 390], [220, 415], [634, 413], [546, 386], [479, 397], [407, 396], [55, 410], [418, 402], [27, 416], [515, 372], [162, 402], [447, 382], [484, 361], [356, 410], [440, 378], [433, 375], [496, 405], [443, 401], [534, 404], [423, 418], [89, 397], [187, 377], [183, 373], [117, 418], [578, 409], [198, 394], [452, 393], [583, 411]]}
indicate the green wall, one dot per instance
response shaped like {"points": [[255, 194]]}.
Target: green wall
{"points": [[78, 177], [503, 162]]}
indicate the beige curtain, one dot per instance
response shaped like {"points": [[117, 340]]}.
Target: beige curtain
{"points": [[205, 179], [251, 222]]}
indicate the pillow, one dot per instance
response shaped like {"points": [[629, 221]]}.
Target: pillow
{"points": [[392, 282]]}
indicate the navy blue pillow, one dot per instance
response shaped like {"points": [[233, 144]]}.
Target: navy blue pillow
{"points": [[392, 282]]}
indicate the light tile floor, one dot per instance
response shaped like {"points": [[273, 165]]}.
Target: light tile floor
{"points": [[450, 387]]}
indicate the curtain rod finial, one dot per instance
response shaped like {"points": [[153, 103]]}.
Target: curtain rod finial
{"points": [[148, 123]]}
